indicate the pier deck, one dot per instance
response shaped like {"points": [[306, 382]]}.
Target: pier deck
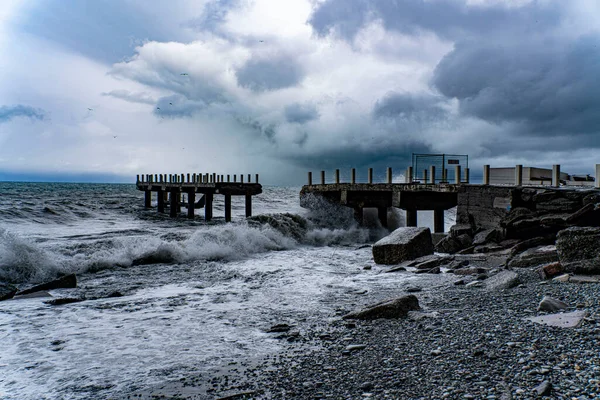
{"points": [[169, 189]]}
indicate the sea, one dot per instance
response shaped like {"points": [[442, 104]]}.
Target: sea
{"points": [[167, 298]]}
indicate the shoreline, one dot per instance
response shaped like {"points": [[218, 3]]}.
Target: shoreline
{"points": [[465, 343]]}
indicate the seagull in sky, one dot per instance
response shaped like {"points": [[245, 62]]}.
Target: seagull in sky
{"points": [[158, 108], [90, 109], [171, 103], [183, 74]]}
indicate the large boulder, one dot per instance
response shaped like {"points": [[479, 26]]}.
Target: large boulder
{"points": [[534, 257], [395, 308], [403, 244], [503, 280], [578, 249], [67, 281], [487, 236]]}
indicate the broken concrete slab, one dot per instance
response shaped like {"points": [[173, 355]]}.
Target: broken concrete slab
{"points": [[403, 244], [563, 320]]}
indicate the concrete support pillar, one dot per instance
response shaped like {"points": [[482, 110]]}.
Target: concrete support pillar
{"points": [[353, 176], [191, 203], [389, 175], [248, 205], [147, 198], [358, 215], [432, 173], [411, 217], [227, 208], [425, 176], [174, 204], [337, 176], [556, 175], [518, 175], [160, 200], [322, 177], [457, 174], [370, 176], [438, 220], [467, 175], [382, 215], [486, 174], [409, 175], [208, 206], [597, 181], [310, 178], [179, 196]]}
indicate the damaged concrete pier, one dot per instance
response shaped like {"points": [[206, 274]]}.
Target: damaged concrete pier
{"points": [[169, 189], [410, 196]]}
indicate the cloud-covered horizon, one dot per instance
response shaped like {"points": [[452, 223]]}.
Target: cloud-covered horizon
{"points": [[281, 88]]}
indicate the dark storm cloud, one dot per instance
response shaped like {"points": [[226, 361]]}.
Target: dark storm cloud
{"points": [[9, 112], [549, 87], [126, 95], [410, 107], [301, 113], [396, 154], [269, 74], [450, 19]]}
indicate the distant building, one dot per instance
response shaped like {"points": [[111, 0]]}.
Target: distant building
{"points": [[536, 176]]}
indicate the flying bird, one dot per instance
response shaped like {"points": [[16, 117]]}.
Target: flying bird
{"points": [[114, 137], [171, 103], [158, 108], [183, 74], [90, 109], [262, 41]]}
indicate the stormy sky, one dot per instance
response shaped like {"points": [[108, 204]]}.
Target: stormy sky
{"points": [[103, 90]]}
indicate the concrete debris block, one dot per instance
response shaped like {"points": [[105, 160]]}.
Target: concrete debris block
{"points": [[461, 229], [564, 320], [503, 280], [390, 309], [562, 278], [578, 249], [534, 257], [403, 244], [448, 245], [551, 304], [584, 279], [487, 236], [548, 271], [465, 240]]}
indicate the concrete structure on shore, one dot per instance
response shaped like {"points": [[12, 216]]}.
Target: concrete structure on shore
{"points": [[491, 202], [169, 188]]}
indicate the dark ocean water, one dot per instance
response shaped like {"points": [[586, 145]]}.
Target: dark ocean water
{"points": [[196, 295]]}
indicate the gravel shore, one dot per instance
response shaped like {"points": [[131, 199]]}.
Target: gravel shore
{"points": [[466, 343]]}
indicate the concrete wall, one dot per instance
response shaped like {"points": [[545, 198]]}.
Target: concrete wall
{"points": [[531, 176]]}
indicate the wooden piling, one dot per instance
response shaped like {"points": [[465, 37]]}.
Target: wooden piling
{"points": [[248, 205], [486, 174], [227, 208], [174, 204], [467, 175], [556, 175], [457, 174], [370, 176], [411, 217], [353, 176], [256, 178], [432, 173], [409, 175], [337, 176], [208, 206], [438, 220], [322, 177], [160, 201], [425, 176], [310, 178], [228, 178], [191, 203], [242, 178], [389, 175], [147, 198], [382, 215]]}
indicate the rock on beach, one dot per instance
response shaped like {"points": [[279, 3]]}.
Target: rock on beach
{"points": [[395, 308], [403, 244]]}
